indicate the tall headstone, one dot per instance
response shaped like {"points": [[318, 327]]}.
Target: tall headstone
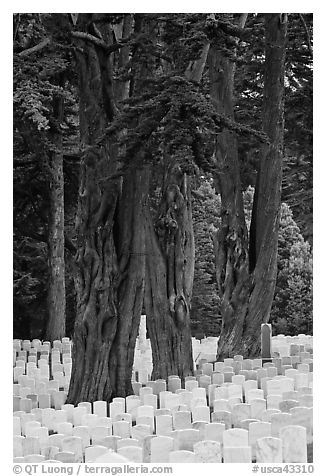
{"points": [[266, 343]]}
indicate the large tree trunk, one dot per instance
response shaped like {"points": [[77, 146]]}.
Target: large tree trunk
{"points": [[246, 278], [169, 279], [231, 239], [110, 257], [170, 261], [56, 324], [267, 198]]}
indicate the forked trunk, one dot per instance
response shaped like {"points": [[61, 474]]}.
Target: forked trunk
{"points": [[169, 280], [246, 277]]}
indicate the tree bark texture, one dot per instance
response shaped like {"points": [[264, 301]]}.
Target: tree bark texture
{"points": [[231, 240], [56, 324], [267, 198], [170, 254], [110, 258], [170, 261], [246, 276]]}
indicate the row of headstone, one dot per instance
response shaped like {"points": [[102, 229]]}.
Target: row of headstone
{"points": [[235, 446], [235, 393]]}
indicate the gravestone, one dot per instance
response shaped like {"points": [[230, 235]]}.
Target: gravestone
{"points": [[244, 424], [132, 453], [201, 413], [56, 440], [16, 426], [240, 411], [49, 451], [269, 450], [218, 378], [18, 446], [161, 446], [98, 433], [239, 454], [132, 403], [253, 394], [65, 457], [31, 445], [182, 420], [303, 416], [65, 428], [100, 408], [257, 406], [110, 442], [48, 416], [294, 444], [140, 431], [30, 426], [200, 426], [266, 343], [123, 417], [144, 391], [73, 444], [235, 437], [267, 414], [305, 400], [258, 430], [208, 452], [128, 442], [286, 405], [164, 425], [214, 431], [273, 401], [121, 428], [151, 400], [187, 438], [147, 451], [105, 421], [278, 421], [93, 452], [238, 380], [83, 433], [222, 417], [174, 383], [182, 456], [221, 405], [78, 412], [34, 459]]}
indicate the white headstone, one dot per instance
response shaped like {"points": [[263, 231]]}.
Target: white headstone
{"points": [[239, 454], [187, 438], [269, 450], [132, 453], [294, 444], [161, 447], [208, 451], [278, 421], [182, 456]]}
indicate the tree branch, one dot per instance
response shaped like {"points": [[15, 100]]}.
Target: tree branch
{"points": [[35, 48], [98, 42]]}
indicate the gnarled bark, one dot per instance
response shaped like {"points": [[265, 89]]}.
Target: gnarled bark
{"points": [[246, 276], [169, 279], [110, 258], [231, 240]]}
